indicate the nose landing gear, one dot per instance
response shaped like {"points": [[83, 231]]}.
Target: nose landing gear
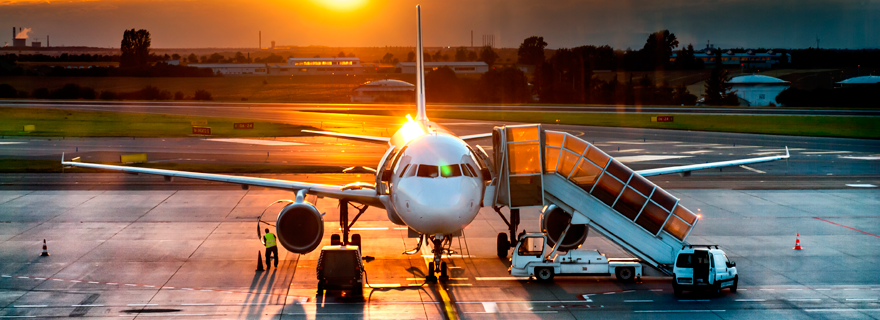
{"points": [[440, 266]]}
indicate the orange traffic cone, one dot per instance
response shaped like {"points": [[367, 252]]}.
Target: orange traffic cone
{"points": [[260, 262], [45, 250], [797, 242]]}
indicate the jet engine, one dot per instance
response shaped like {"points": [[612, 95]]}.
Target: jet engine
{"points": [[300, 227], [553, 223]]}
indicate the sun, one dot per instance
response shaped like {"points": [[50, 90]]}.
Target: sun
{"points": [[341, 5]]}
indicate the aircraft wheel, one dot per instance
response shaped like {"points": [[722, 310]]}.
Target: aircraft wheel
{"points": [[443, 275], [430, 277], [502, 245]]}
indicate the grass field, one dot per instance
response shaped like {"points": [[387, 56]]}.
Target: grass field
{"points": [[821, 126], [230, 89], [69, 123], [52, 166]]}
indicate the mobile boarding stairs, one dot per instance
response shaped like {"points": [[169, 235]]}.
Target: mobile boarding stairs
{"points": [[534, 167]]}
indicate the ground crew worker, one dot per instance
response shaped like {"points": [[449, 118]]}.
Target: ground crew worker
{"points": [[271, 248]]}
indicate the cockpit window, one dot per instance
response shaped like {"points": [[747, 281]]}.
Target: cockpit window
{"points": [[449, 171], [427, 171], [469, 170]]}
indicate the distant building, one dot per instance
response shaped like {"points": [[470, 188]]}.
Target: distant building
{"points": [[749, 59], [318, 66], [758, 90], [478, 67], [35, 44], [384, 91], [235, 69], [860, 81]]}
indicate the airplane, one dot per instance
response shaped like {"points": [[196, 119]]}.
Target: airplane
{"points": [[429, 180]]}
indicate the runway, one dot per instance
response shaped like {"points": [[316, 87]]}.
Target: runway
{"points": [[190, 254], [501, 108]]}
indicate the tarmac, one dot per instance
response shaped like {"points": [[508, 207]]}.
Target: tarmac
{"points": [[190, 254], [135, 246]]}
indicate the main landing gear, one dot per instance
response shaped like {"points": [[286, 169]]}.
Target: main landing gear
{"points": [[503, 243], [345, 240], [437, 266]]}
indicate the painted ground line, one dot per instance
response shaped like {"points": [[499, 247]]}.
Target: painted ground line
{"points": [[637, 301], [5, 276], [131, 285], [24, 277], [30, 306], [188, 289], [165, 315], [628, 291], [805, 300], [609, 293], [840, 310], [850, 289], [750, 300], [863, 299], [75, 281], [677, 311], [39, 278], [87, 305], [751, 169], [111, 283], [699, 300], [94, 282], [10, 317], [57, 280]]}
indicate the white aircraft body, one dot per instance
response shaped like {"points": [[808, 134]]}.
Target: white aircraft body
{"points": [[434, 185]]}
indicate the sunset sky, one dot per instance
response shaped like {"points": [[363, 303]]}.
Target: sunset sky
{"points": [[563, 23]]}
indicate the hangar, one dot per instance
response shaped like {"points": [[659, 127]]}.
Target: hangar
{"points": [[477, 67], [383, 91], [318, 66], [234, 69], [758, 90]]}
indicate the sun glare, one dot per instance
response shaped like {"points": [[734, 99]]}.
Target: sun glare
{"points": [[341, 5]]}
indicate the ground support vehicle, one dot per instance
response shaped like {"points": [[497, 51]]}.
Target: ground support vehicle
{"points": [[703, 267], [533, 258], [341, 268]]}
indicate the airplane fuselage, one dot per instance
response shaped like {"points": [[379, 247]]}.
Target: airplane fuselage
{"points": [[435, 187]]}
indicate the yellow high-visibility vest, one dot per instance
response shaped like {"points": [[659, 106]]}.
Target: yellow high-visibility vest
{"points": [[270, 240]]}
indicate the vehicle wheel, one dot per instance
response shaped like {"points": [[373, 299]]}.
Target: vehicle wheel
{"points": [[443, 275], [544, 274], [356, 240], [625, 274], [735, 282], [503, 245]]}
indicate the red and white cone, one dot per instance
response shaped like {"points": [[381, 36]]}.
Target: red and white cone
{"points": [[45, 250], [797, 242]]}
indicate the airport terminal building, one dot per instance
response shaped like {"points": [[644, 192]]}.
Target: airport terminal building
{"points": [[475, 67], [748, 59], [294, 67]]}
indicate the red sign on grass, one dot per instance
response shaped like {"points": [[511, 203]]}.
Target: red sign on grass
{"points": [[202, 131]]}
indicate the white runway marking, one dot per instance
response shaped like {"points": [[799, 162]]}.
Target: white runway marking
{"points": [[751, 169], [840, 310], [259, 142], [500, 278], [490, 307], [11, 142], [699, 152], [628, 150], [30, 306], [677, 311], [629, 159], [860, 158], [643, 142], [763, 153], [860, 185], [806, 300], [825, 152], [866, 299]]}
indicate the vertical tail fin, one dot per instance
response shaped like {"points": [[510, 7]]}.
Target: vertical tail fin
{"points": [[421, 115]]}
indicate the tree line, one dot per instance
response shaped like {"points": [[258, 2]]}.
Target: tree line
{"points": [[72, 91]]}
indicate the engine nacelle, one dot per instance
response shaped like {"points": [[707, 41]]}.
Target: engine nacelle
{"points": [[553, 223], [300, 227]]}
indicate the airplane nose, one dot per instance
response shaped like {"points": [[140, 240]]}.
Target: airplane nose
{"points": [[441, 210]]}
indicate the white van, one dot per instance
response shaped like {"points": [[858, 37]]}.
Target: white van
{"points": [[703, 267]]}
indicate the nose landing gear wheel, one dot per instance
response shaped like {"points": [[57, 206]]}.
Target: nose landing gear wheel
{"points": [[431, 277], [502, 245], [443, 275]]}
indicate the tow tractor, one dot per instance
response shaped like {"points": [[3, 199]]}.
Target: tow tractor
{"points": [[531, 259]]}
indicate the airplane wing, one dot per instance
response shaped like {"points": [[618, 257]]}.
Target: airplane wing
{"points": [[354, 193], [350, 136], [476, 136], [688, 168]]}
